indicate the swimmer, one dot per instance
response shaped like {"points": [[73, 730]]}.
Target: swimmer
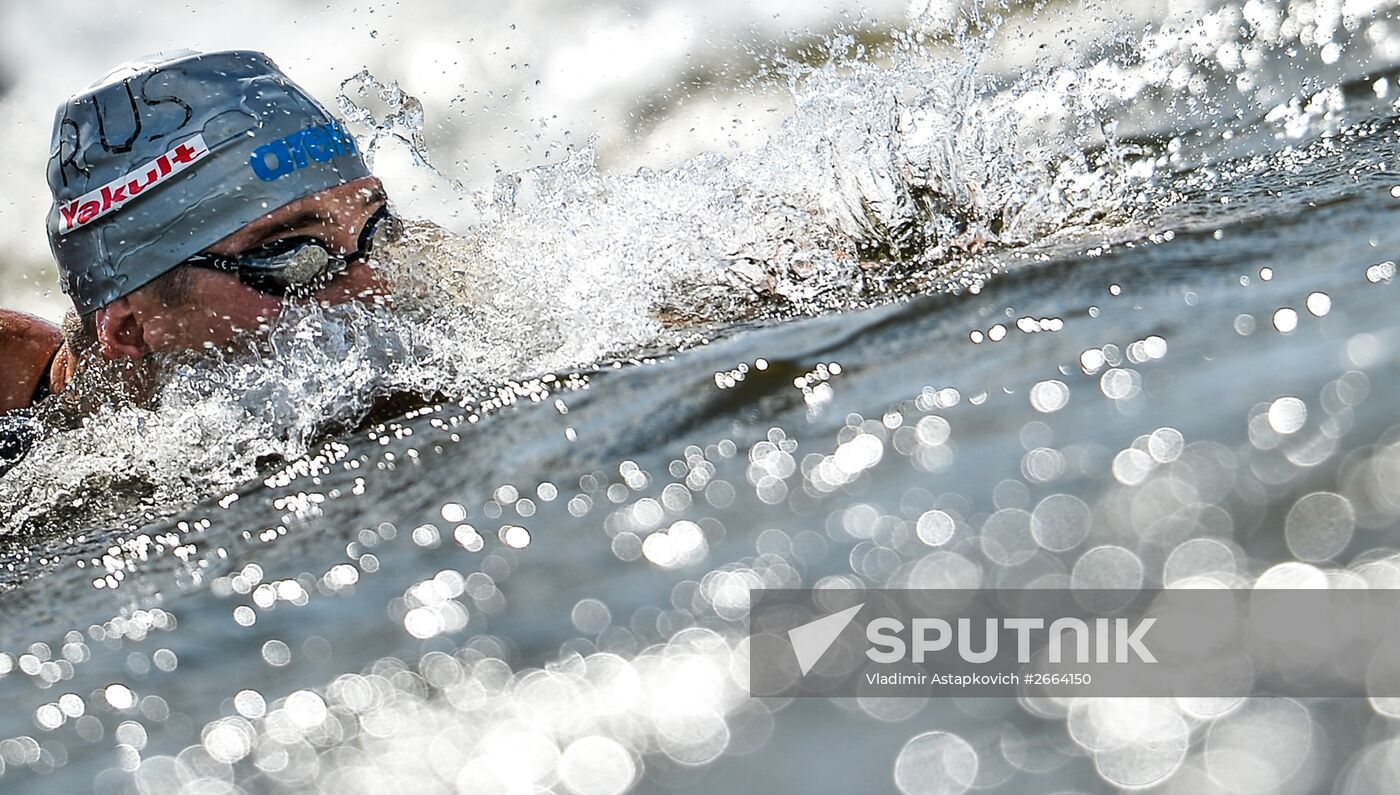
{"points": [[193, 195]]}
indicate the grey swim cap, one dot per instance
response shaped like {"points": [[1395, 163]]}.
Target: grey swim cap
{"points": [[167, 156]]}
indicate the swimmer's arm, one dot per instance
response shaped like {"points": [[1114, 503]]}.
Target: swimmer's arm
{"points": [[27, 347]]}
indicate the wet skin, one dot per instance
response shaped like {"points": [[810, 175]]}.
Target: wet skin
{"points": [[27, 343], [220, 307]]}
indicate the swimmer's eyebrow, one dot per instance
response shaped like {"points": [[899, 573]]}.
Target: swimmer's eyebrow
{"points": [[292, 224], [314, 215]]}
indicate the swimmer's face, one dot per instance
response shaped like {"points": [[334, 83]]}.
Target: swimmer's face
{"points": [[217, 306]]}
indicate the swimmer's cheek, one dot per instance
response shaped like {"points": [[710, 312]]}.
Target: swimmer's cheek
{"points": [[208, 329], [360, 282]]}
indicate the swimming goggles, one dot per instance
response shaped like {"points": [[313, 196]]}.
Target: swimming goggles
{"points": [[300, 265]]}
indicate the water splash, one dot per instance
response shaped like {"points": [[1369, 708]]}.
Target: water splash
{"points": [[880, 172], [885, 179]]}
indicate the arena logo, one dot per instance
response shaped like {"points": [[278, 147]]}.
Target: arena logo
{"points": [[119, 192], [284, 156]]}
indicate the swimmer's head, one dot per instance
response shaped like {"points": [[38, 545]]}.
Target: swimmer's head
{"points": [[169, 156]]}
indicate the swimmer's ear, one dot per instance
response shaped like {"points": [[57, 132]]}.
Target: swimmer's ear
{"points": [[119, 331]]}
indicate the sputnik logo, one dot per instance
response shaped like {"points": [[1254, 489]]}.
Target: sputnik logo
{"points": [[811, 640]]}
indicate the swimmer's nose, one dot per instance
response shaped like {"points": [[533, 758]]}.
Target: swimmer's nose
{"points": [[358, 282]]}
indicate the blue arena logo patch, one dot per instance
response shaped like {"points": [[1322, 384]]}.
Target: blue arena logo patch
{"points": [[314, 144]]}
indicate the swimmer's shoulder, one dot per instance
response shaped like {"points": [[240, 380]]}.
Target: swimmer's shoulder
{"points": [[29, 349]]}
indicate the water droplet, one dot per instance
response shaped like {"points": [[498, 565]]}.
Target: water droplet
{"points": [[1049, 396], [590, 616], [1258, 747], [1148, 743], [1319, 304], [597, 765], [935, 763], [119, 696], [935, 528], [276, 653], [1319, 526], [1091, 360], [1287, 415], [1380, 272], [1060, 522], [1107, 567]]}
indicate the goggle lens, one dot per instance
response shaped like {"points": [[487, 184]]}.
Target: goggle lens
{"points": [[301, 265]]}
